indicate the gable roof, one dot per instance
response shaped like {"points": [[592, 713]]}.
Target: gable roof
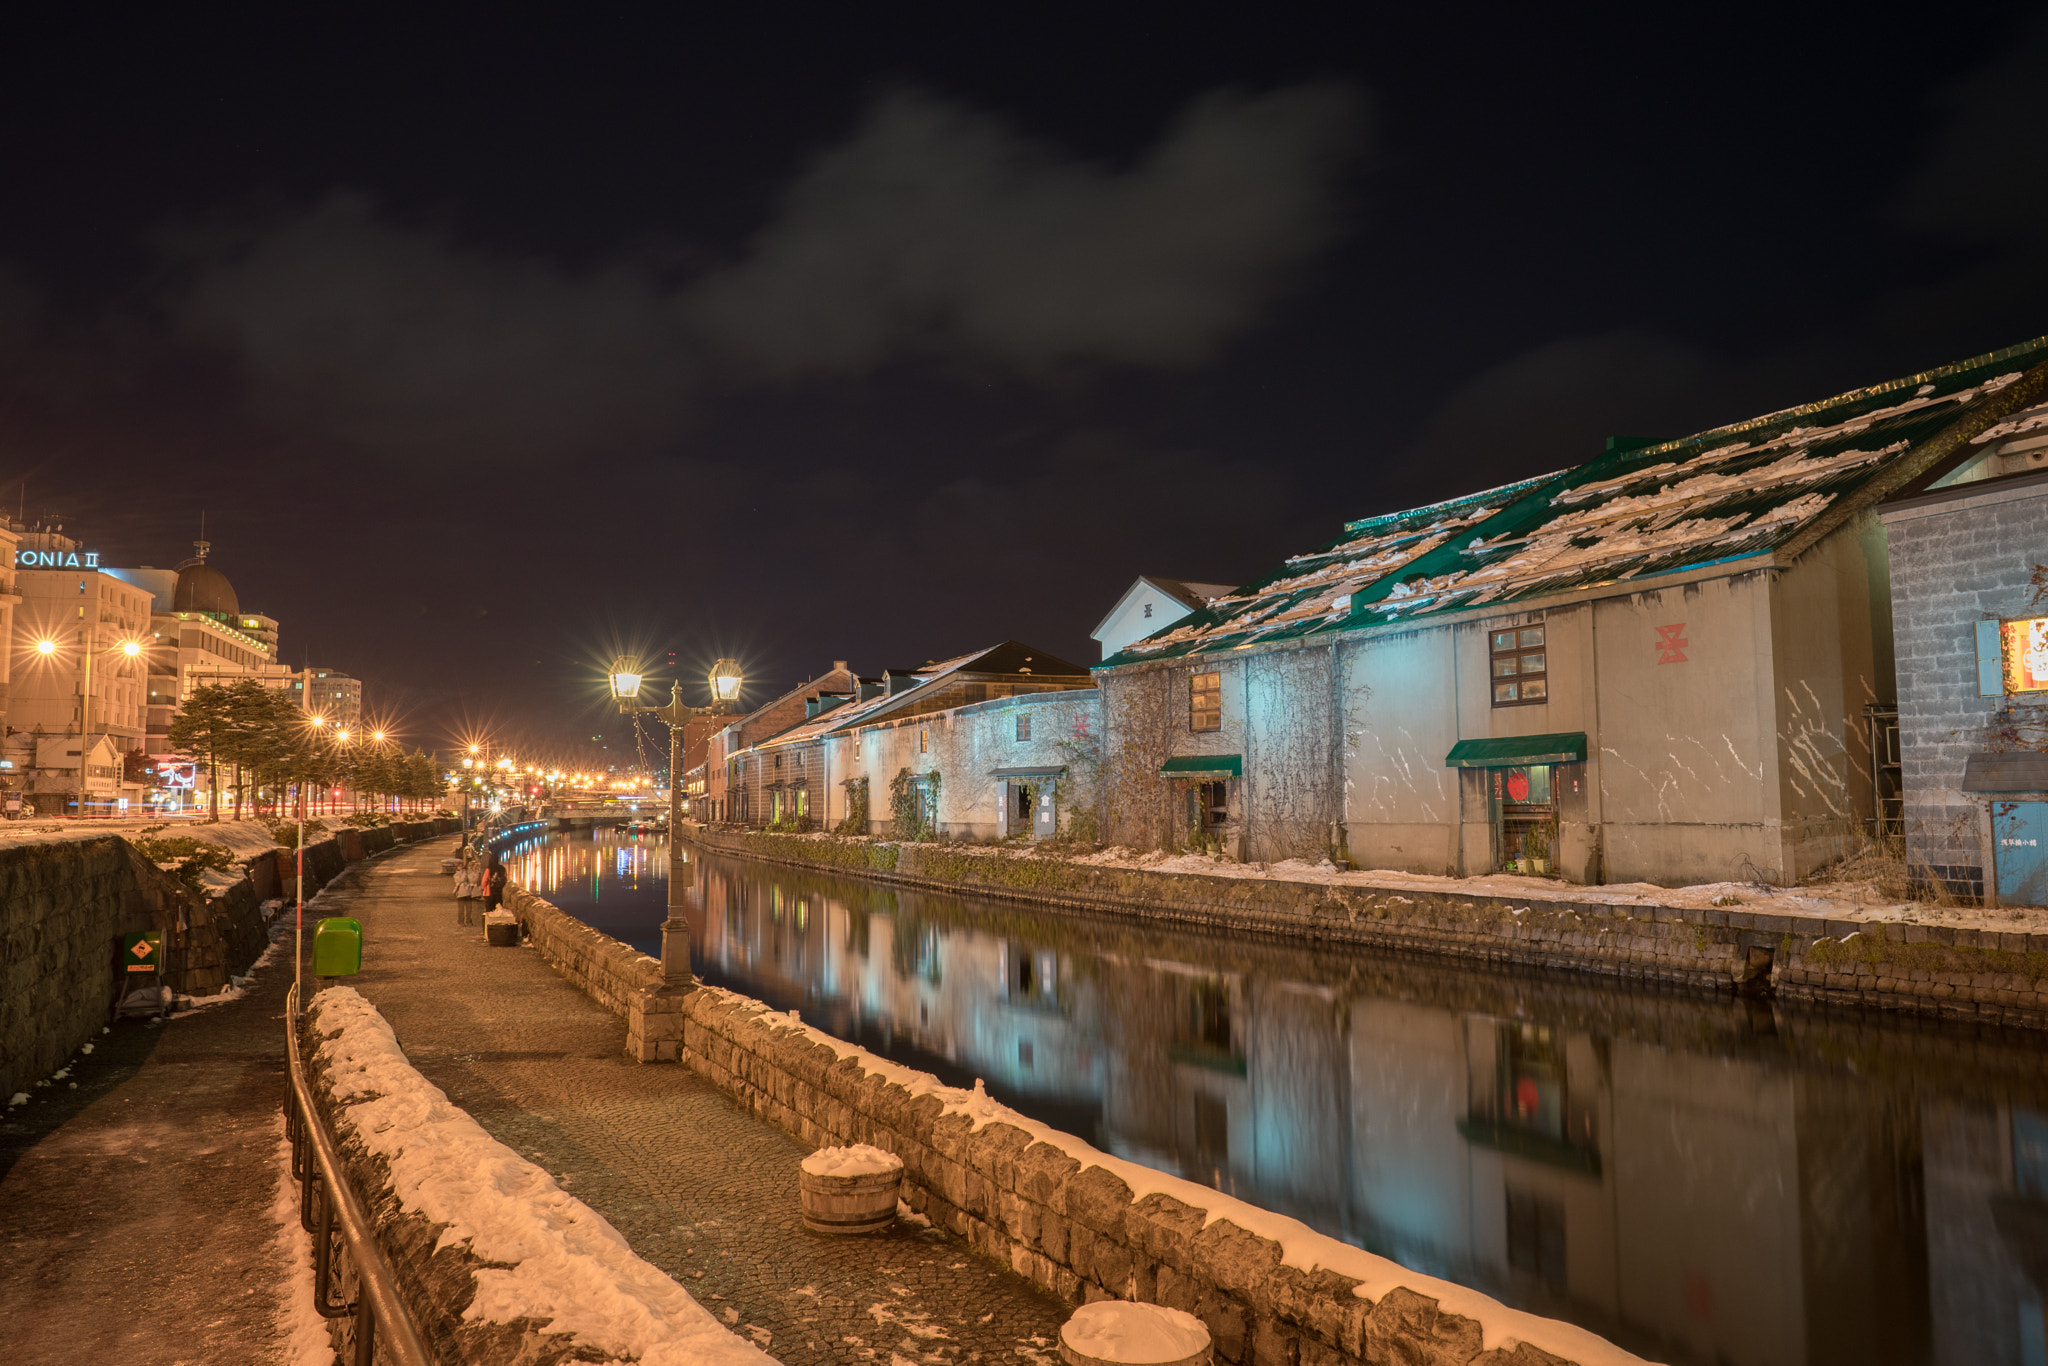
{"points": [[1010, 657], [1770, 486], [1193, 596]]}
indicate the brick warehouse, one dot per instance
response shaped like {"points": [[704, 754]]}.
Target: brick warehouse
{"points": [[1969, 539]]}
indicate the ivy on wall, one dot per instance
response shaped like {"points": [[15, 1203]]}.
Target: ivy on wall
{"points": [[856, 820], [914, 804]]}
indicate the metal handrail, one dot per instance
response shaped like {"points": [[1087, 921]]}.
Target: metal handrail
{"points": [[378, 1303]]}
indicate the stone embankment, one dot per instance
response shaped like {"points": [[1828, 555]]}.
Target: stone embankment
{"points": [[496, 1261], [1077, 1222], [67, 901], [1986, 975]]}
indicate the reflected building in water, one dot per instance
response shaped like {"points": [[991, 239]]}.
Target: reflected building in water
{"points": [[1701, 1180]]}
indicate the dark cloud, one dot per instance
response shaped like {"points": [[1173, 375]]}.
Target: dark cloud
{"points": [[1984, 177], [406, 343], [940, 229], [933, 230]]}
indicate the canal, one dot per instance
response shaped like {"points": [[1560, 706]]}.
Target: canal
{"points": [[1701, 1179]]}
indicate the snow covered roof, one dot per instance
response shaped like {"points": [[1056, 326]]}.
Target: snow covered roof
{"points": [[1767, 486], [1009, 657]]}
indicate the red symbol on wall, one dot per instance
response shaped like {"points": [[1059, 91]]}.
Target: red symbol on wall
{"points": [[1671, 644], [1518, 786]]}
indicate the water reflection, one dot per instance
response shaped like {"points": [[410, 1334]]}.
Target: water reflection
{"points": [[1702, 1180]]}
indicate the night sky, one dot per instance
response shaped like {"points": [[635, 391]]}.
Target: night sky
{"points": [[488, 345]]}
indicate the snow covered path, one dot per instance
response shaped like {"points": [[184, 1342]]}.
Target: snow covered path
{"points": [[136, 1211], [700, 1188]]}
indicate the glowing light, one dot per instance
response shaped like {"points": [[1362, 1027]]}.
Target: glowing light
{"points": [[377, 735], [625, 678], [343, 734], [46, 646], [726, 678], [131, 648]]}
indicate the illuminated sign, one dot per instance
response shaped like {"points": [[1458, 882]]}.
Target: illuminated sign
{"points": [[2026, 654], [56, 559], [171, 773]]}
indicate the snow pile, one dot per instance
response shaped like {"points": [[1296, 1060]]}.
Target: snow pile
{"points": [[1300, 1245], [1133, 1333], [859, 1160], [560, 1261]]}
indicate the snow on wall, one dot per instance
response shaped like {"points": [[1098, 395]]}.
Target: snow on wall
{"points": [[558, 1259]]}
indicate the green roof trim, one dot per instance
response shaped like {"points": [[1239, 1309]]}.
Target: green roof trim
{"points": [[1204, 766], [1510, 751]]}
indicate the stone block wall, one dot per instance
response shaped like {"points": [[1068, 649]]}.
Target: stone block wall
{"points": [[63, 909], [1984, 975], [1954, 563], [1077, 1230], [617, 976], [64, 906], [1074, 1229]]}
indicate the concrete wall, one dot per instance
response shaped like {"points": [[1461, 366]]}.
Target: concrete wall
{"points": [[1954, 563]]}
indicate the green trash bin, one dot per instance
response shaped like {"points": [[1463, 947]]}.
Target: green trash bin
{"points": [[337, 947]]}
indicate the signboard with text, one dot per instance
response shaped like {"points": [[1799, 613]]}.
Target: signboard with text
{"points": [[56, 559]]}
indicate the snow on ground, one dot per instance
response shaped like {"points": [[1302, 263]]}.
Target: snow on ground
{"points": [[305, 1333], [245, 839], [1301, 1246], [560, 1260]]}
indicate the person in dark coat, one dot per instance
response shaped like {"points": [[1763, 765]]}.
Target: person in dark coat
{"points": [[494, 883]]}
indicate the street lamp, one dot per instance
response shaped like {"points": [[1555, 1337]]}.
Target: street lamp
{"points": [[725, 682], [725, 678], [625, 677]]}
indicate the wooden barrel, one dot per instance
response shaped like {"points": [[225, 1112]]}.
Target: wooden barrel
{"points": [[1133, 1333], [850, 1190]]}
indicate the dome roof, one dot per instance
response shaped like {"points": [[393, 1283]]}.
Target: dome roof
{"points": [[202, 588]]}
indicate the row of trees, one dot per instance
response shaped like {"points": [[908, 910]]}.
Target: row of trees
{"points": [[266, 742]]}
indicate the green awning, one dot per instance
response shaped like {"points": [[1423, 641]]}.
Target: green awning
{"points": [[1059, 772], [1203, 766], [1512, 751]]}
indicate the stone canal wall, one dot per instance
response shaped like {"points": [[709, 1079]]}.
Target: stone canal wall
{"points": [[1077, 1222], [1986, 976]]}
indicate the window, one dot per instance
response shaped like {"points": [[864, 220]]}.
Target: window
{"points": [[1023, 726], [1520, 667], [1205, 702], [924, 741]]}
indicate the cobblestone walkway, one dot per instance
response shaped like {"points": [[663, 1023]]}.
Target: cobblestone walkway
{"points": [[701, 1189]]}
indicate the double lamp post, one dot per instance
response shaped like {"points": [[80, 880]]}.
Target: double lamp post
{"points": [[626, 681]]}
